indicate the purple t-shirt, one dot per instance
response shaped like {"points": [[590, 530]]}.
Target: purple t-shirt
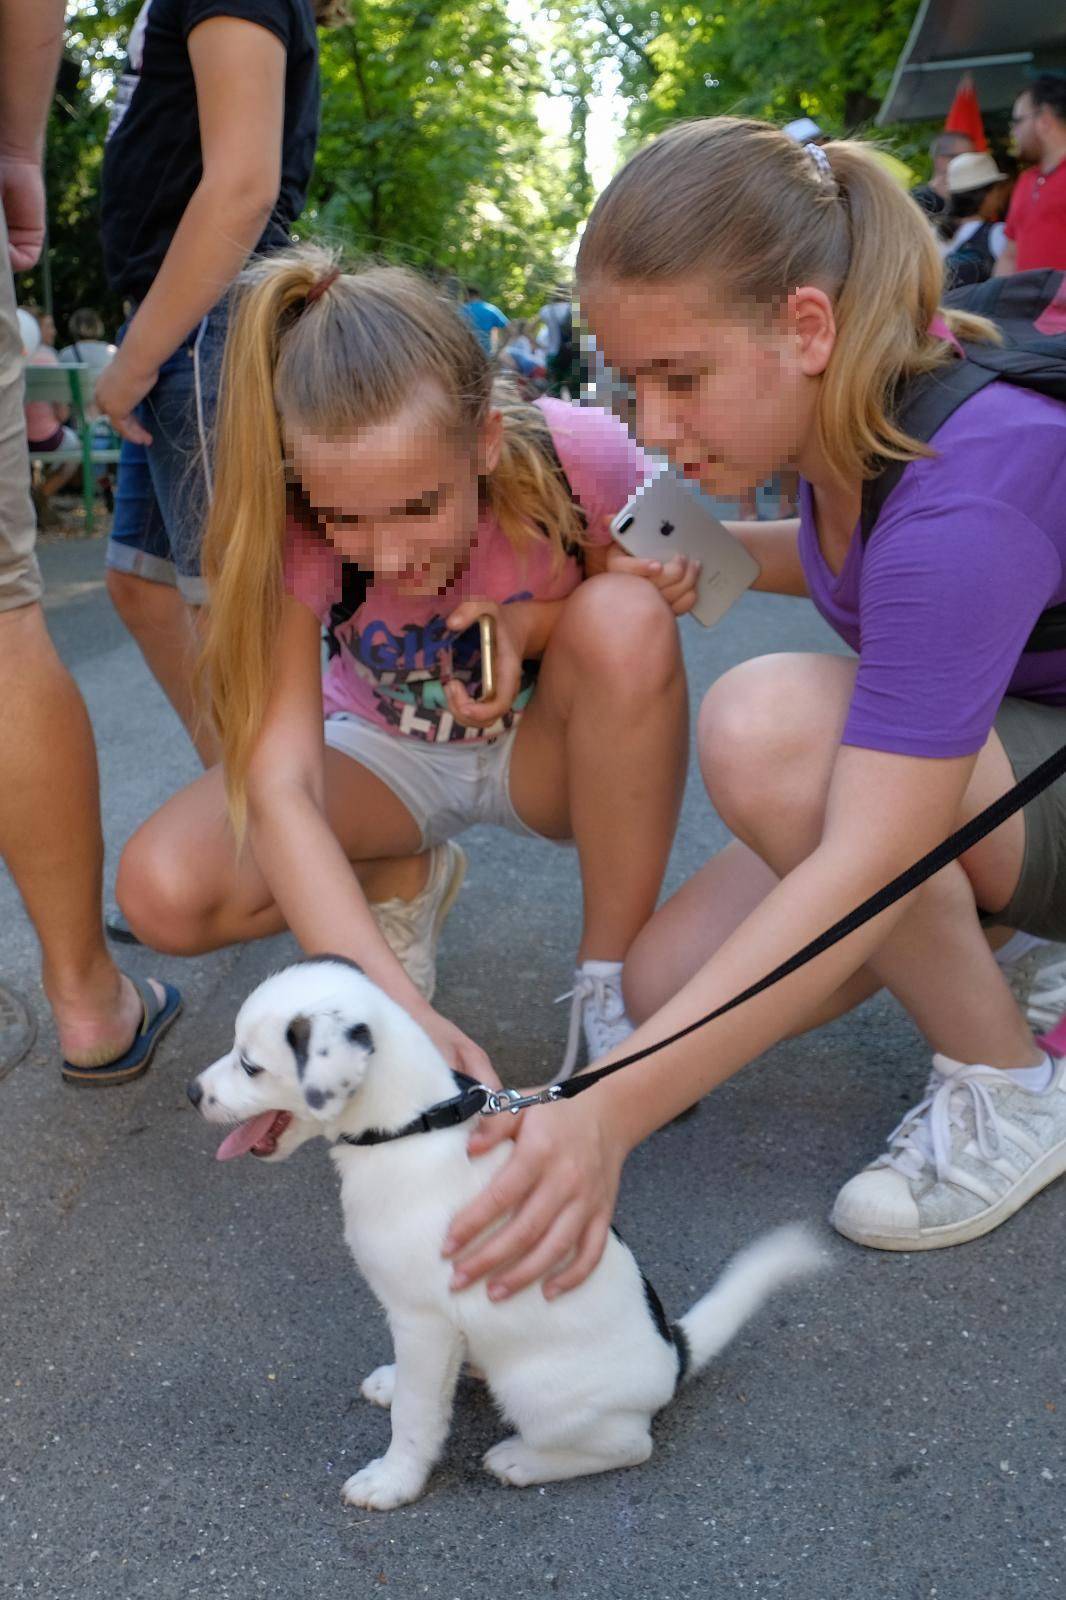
{"points": [[969, 549]]}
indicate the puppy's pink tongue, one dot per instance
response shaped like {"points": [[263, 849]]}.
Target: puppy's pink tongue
{"points": [[244, 1136]]}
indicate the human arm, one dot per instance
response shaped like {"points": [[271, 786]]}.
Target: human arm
{"points": [[775, 546], [31, 40], [523, 629], [560, 1183], [239, 69], [1008, 260], [301, 858]]}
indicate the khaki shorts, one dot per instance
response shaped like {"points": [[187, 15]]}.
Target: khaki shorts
{"points": [[1030, 733], [446, 787], [20, 576]]}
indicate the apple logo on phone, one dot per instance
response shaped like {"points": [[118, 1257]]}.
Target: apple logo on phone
{"points": [[666, 529]]}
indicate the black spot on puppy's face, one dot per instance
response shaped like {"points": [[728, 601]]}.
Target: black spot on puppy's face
{"points": [[298, 1038], [359, 1034]]}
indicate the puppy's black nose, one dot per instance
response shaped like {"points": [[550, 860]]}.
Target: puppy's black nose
{"points": [[194, 1091]]}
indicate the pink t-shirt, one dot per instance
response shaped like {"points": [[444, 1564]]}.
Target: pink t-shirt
{"points": [[387, 660]]}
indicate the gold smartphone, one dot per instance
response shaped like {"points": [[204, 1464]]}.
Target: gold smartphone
{"points": [[487, 625]]}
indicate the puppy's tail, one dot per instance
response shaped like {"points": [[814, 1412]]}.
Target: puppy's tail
{"points": [[749, 1279]]}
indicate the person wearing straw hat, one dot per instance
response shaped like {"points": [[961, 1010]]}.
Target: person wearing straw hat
{"points": [[978, 194]]}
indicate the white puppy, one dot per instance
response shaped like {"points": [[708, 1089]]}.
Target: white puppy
{"points": [[320, 1050]]}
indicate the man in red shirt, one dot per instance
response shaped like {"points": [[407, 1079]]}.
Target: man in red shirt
{"points": [[1036, 221]]}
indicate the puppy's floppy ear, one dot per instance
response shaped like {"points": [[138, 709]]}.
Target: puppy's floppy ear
{"points": [[298, 1039], [329, 1070]]}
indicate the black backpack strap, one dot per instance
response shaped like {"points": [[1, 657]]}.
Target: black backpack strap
{"points": [[925, 405], [354, 585]]}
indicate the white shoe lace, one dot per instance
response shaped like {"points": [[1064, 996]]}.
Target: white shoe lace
{"points": [[923, 1138], [597, 1001]]}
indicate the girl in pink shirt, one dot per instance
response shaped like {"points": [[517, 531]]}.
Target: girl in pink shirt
{"points": [[371, 479]]}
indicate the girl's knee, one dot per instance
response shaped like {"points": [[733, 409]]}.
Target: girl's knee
{"points": [[746, 721], [770, 727], [161, 897], [614, 623]]}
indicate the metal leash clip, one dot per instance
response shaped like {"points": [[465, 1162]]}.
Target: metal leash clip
{"points": [[513, 1100]]}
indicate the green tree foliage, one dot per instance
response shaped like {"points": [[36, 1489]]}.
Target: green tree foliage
{"points": [[777, 59], [431, 151]]}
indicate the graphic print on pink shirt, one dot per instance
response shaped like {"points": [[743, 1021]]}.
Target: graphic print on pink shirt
{"points": [[392, 657]]}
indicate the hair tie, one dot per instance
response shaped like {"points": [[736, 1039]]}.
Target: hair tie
{"points": [[819, 157], [317, 290]]}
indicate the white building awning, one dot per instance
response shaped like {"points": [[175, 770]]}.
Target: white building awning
{"points": [[997, 41]]}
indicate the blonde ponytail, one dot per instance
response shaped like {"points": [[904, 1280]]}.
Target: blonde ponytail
{"points": [[529, 495], [243, 550], [887, 309], [742, 202]]}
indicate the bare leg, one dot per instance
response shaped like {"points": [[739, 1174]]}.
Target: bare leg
{"points": [[184, 889], [167, 633], [50, 838], [686, 931], [58, 478], [600, 754], [769, 732]]}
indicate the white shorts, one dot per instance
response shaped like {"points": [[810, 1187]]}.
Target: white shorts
{"points": [[445, 787]]}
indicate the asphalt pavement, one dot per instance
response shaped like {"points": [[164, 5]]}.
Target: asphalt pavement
{"points": [[181, 1342]]}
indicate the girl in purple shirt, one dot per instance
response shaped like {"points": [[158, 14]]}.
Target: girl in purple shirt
{"points": [[765, 300]]}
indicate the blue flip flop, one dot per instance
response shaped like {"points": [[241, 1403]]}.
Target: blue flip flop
{"points": [[158, 1015]]}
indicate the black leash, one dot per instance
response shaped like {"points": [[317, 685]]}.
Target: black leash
{"points": [[476, 1099]]}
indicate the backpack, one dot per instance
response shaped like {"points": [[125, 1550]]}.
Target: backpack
{"points": [[1029, 309], [972, 261]]}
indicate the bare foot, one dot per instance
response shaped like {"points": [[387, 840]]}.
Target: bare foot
{"points": [[101, 1022]]}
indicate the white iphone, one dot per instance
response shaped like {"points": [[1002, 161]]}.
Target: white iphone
{"points": [[668, 516]]}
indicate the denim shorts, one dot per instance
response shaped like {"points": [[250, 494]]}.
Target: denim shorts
{"points": [[164, 488]]}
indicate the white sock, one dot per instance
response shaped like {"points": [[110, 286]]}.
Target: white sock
{"points": [[1035, 1079], [601, 969], [1018, 945]]}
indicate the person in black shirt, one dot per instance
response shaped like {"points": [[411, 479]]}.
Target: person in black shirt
{"points": [[933, 196], [208, 158]]}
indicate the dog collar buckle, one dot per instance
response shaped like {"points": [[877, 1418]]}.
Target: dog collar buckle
{"points": [[514, 1101]]}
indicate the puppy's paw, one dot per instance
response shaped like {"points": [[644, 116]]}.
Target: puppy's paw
{"points": [[513, 1462], [383, 1485], [378, 1388]]}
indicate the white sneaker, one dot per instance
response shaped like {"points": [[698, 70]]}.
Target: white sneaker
{"points": [[963, 1161], [1038, 983], [598, 1010], [411, 928]]}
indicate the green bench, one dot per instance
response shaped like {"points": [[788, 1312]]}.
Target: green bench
{"points": [[71, 385]]}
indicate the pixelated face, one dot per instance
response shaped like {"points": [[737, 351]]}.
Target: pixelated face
{"points": [[400, 499], [727, 398]]}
